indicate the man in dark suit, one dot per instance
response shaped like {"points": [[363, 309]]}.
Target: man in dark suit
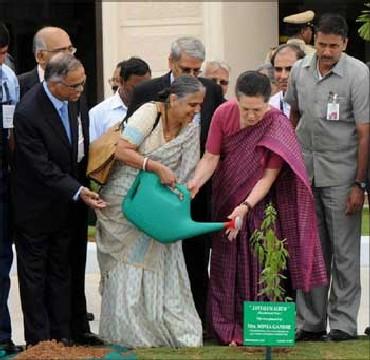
{"points": [[186, 57], [48, 185], [48, 42]]}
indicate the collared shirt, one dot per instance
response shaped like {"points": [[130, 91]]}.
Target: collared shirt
{"points": [[277, 101], [58, 104], [105, 115], [40, 73], [8, 76], [11, 95], [329, 146]]}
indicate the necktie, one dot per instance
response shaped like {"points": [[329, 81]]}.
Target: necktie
{"points": [[63, 112]]}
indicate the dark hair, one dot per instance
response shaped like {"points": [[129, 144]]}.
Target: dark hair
{"points": [[4, 35], [299, 53], [182, 86], [253, 83], [333, 24], [133, 66]]}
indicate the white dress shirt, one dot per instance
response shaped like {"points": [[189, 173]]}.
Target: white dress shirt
{"points": [[277, 101], [105, 115]]}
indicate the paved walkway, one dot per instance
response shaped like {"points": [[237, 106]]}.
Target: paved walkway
{"points": [[93, 297]]}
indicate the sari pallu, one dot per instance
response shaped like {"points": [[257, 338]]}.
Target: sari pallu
{"points": [[234, 269]]}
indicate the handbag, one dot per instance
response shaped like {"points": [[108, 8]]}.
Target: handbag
{"points": [[102, 150], [101, 154], [163, 213]]}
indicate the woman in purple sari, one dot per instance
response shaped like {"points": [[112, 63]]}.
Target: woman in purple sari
{"points": [[255, 157]]}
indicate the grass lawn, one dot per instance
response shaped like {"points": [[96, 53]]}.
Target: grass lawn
{"points": [[351, 350]]}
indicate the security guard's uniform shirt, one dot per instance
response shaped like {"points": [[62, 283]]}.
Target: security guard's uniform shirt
{"points": [[329, 147]]}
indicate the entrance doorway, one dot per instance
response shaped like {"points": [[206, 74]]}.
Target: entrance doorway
{"points": [[82, 21]]}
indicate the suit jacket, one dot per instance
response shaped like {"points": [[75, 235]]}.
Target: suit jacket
{"points": [[27, 80], [148, 91], [46, 173]]}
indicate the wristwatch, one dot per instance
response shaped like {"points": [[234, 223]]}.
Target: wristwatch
{"points": [[360, 184]]}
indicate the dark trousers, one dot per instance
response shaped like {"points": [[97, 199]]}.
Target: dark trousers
{"points": [[44, 280], [196, 254], [197, 251], [6, 258], [78, 249]]}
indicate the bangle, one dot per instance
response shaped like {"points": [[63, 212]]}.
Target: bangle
{"points": [[247, 204], [144, 163]]}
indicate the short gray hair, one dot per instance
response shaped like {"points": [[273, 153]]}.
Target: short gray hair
{"points": [[60, 65], [189, 45], [182, 86], [217, 65]]}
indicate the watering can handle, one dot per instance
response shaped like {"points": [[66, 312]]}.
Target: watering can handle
{"points": [[176, 191]]}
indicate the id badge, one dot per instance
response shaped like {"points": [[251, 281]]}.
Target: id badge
{"points": [[8, 114], [332, 109]]}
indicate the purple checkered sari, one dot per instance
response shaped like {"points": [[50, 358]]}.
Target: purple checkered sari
{"points": [[234, 269]]}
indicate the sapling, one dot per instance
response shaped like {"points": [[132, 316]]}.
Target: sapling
{"points": [[272, 255]]}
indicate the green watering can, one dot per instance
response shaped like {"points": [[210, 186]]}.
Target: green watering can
{"points": [[163, 213]]}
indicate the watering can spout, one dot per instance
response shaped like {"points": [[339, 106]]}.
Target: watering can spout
{"points": [[163, 213]]}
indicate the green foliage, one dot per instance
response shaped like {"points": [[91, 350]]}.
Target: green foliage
{"points": [[364, 18], [272, 254]]}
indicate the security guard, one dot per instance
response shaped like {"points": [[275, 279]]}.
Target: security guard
{"points": [[300, 29]]}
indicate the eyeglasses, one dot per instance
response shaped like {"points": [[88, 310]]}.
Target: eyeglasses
{"points": [[69, 49], [74, 86], [220, 82], [187, 70]]}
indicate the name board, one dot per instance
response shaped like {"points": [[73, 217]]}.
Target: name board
{"points": [[269, 323]]}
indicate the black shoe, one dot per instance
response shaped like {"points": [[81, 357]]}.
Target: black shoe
{"points": [[367, 331], [9, 347], [338, 335], [66, 342], [88, 338], [90, 316], [302, 335]]}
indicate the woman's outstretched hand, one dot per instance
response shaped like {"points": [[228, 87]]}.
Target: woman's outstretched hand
{"points": [[240, 211], [193, 187]]}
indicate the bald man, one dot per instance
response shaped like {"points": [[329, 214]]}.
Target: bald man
{"points": [[48, 42]]}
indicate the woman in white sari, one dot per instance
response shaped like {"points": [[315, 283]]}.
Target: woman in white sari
{"points": [[146, 295]]}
